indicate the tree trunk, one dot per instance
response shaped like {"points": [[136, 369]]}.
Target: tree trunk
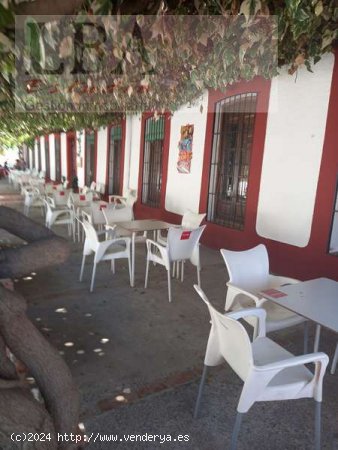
{"points": [[44, 363]]}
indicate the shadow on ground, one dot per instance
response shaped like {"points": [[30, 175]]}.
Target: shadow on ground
{"points": [[137, 359]]}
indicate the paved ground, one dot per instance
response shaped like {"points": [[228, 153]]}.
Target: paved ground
{"points": [[137, 359]]}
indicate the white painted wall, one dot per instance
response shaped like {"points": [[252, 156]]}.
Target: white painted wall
{"points": [[183, 190], [101, 159], [43, 153], [80, 148], [63, 143], [292, 153], [132, 153], [52, 156]]}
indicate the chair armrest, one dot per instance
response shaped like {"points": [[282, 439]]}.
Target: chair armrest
{"points": [[109, 232], [260, 313], [261, 376], [238, 290], [115, 198], [104, 245], [295, 361], [276, 280], [163, 251]]}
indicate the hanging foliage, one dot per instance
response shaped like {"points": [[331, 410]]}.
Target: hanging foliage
{"points": [[142, 62]]}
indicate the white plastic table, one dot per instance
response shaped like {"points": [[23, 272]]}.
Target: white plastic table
{"points": [[316, 300], [139, 226]]}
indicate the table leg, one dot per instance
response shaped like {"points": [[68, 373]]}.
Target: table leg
{"points": [[133, 259], [317, 337]]}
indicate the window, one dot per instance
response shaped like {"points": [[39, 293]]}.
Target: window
{"points": [[47, 157], [71, 156], [90, 158], [333, 245], [114, 160], [152, 161], [57, 158], [28, 158], [229, 171], [33, 157], [39, 154]]}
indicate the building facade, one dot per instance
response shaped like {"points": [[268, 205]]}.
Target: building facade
{"points": [[260, 159]]}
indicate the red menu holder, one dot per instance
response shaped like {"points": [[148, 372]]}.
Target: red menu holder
{"points": [[82, 197], [274, 293], [185, 235], [61, 193]]}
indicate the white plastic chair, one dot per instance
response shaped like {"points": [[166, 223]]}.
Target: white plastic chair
{"points": [[189, 220], [61, 197], [33, 198], [248, 275], [97, 209], [181, 245], [82, 199], [269, 372], [59, 216], [107, 250], [113, 215], [127, 200]]}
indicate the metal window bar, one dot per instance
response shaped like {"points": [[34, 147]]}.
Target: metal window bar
{"points": [[152, 162], [230, 160]]}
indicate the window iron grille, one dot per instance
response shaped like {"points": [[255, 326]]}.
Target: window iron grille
{"points": [[39, 155], [230, 161], [152, 162], [90, 158], [47, 158], [57, 158], [115, 156]]}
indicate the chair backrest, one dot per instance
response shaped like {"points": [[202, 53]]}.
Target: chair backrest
{"points": [[78, 199], [91, 236], [228, 340], [192, 220], [86, 216], [131, 197], [92, 186], [50, 201], [61, 196], [97, 209], [114, 215], [181, 242], [248, 269], [100, 187], [48, 204]]}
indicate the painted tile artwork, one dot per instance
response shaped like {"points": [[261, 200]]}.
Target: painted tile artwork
{"points": [[185, 149]]}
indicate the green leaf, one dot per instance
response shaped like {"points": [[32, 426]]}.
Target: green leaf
{"points": [[34, 42], [6, 17], [6, 42], [319, 8]]}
